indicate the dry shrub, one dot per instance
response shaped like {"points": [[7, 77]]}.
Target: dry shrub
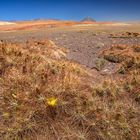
{"points": [[107, 89], [123, 54], [136, 48]]}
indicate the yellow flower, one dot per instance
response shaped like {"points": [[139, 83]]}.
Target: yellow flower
{"points": [[52, 101]]}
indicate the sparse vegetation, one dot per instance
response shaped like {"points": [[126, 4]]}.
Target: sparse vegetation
{"points": [[100, 63], [43, 97], [126, 55], [31, 81], [125, 35]]}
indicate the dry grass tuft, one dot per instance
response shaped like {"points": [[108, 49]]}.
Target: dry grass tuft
{"points": [[125, 35]]}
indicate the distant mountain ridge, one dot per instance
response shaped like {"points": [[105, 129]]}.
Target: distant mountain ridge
{"points": [[88, 19]]}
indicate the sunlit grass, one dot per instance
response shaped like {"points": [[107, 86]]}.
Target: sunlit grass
{"points": [[46, 96]]}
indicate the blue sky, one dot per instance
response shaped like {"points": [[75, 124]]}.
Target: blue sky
{"points": [[100, 10]]}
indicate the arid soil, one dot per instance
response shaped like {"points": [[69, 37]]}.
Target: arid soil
{"points": [[83, 44]]}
